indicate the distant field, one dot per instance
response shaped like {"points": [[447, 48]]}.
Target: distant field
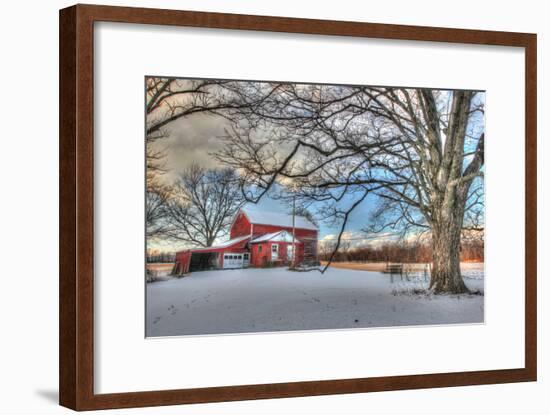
{"points": [[469, 269], [361, 266], [161, 268]]}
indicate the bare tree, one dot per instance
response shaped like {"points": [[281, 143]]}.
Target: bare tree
{"points": [[169, 99], [203, 204], [155, 211], [418, 150], [303, 211], [166, 101], [326, 249]]}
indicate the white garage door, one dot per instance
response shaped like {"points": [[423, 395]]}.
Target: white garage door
{"points": [[232, 260]]}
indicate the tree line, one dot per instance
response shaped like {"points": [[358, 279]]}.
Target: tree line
{"points": [[471, 250], [197, 209], [156, 256]]}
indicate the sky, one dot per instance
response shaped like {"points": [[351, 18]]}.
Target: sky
{"points": [[194, 138]]}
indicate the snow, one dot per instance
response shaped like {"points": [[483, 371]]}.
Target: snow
{"points": [[267, 300], [281, 236], [263, 217]]}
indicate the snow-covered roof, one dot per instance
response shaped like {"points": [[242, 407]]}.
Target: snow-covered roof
{"points": [[262, 217], [224, 244], [281, 236]]}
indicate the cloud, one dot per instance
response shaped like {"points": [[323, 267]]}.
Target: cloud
{"points": [[191, 139]]}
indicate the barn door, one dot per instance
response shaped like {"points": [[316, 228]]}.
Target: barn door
{"points": [[290, 253], [232, 260]]}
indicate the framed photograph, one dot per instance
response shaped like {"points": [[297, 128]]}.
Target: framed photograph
{"points": [[258, 207]]}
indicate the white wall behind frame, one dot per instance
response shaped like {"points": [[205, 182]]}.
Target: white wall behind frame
{"points": [[225, 360]]}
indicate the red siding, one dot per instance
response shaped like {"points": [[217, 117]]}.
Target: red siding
{"points": [[257, 258], [300, 233], [260, 259], [240, 227], [183, 259], [307, 236]]}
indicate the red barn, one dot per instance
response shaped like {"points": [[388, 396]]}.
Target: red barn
{"points": [[257, 239]]}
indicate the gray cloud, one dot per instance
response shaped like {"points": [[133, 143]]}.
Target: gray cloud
{"points": [[191, 139]]}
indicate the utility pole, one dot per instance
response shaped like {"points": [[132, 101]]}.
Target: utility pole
{"points": [[293, 263]]}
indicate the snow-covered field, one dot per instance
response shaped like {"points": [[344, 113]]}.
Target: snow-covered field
{"points": [[263, 300]]}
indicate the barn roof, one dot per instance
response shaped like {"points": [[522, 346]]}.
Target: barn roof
{"points": [[261, 217], [225, 244], [281, 236]]}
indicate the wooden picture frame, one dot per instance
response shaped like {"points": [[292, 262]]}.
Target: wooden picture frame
{"points": [[76, 278]]}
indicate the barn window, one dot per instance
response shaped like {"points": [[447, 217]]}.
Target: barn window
{"points": [[259, 248]]}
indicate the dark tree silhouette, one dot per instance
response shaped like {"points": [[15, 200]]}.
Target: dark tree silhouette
{"points": [[203, 204], [155, 211], [417, 150]]}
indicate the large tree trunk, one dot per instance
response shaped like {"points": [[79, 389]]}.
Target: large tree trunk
{"points": [[450, 201], [446, 231]]}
